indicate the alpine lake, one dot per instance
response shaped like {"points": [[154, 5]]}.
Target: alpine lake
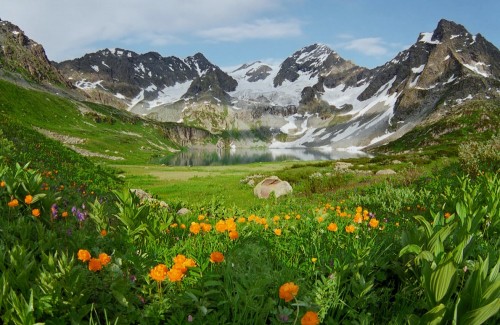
{"points": [[236, 156]]}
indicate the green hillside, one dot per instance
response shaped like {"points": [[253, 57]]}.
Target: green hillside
{"points": [[101, 130], [472, 121]]}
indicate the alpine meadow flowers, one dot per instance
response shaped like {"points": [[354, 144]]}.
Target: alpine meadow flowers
{"points": [[83, 255], [159, 272], [309, 318], [216, 257], [95, 264], [13, 203], [288, 291]]}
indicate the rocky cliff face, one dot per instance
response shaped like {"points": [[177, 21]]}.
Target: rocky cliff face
{"points": [[20, 54]]}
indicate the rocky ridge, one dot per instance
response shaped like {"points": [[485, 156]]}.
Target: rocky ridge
{"points": [[21, 55]]}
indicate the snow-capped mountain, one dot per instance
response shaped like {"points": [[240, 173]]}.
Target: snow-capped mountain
{"points": [[446, 66], [314, 98], [142, 81]]}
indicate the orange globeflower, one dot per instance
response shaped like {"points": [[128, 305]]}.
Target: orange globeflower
{"points": [[373, 223], [277, 232], [104, 258], [332, 227], [35, 213], [159, 272], [175, 275], [2, 184], [350, 228], [230, 225], [288, 291], [64, 214], [13, 203], [447, 215], [95, 264], [104, 232], [310, 318], [220, 226], [189, 262], [206, 227], [83, 255], [28, 199], [179, 259], [233, 235], [195, 228], [179, 267], [216, 257]]}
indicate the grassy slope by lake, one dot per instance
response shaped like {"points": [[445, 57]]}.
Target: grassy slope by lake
{"points": [[101, 129]]}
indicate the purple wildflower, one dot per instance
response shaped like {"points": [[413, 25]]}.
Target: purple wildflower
{"points": [[80, 215], [54, 210]]}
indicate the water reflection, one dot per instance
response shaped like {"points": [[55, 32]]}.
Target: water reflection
{"points": [[203, 157]]}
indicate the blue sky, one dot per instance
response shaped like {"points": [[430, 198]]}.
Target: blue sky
{"points": [[232, 32]]}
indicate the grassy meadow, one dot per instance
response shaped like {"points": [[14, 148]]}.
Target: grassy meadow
{"points": [[346, 247]]}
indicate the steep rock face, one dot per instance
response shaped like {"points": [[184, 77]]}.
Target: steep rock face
{"points": [[21, 54], [184, 135], [455, 65], [214, 82]]}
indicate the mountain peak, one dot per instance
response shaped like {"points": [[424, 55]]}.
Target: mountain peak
{"points": [[447, 29], [317, 52]]}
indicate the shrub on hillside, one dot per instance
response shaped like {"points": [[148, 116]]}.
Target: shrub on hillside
{"points": [[479, 157]]}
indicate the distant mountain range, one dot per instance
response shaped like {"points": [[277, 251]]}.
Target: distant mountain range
{"points": [[314, 98]]}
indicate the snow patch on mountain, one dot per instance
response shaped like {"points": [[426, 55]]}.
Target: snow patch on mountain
{"points": [[84, 84], [339, 96], [477, 67], [427, 38], [288, 93], [418, 69]]}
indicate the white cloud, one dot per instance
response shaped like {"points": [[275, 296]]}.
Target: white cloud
{"points": [[260, 29], [66, 28], [371, 46]]}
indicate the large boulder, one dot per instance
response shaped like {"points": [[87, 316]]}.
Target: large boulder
{"points": [[272, 185]]}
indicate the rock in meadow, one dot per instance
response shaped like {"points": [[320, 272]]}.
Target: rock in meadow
{"points": [[272, 185], [385, 172]]}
